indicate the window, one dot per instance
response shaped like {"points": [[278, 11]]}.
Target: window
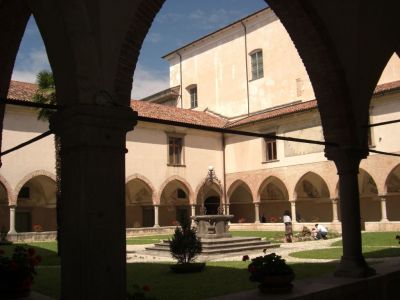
{"points": [[257, 69], [193, 96], [175, 145], [270, 148], [180, 194]]}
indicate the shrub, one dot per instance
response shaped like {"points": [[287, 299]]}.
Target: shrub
{"points": [[185, 246], [268, 265]]}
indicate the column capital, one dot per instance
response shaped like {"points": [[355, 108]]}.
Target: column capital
{"points": [[101, 125], [346, 158]]}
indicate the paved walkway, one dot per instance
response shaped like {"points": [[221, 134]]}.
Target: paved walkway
{"points": [[137, 253]]}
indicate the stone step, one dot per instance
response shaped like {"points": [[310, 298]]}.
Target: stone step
{"points": [[233, 240], [215, 251], [224, 245]]}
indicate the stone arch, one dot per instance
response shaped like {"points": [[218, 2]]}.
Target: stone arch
{"points": [[312, 196], [183, 181], [145, 181], [132, 42], [274, 199], [392, 194], [369, 202], [36, 202], [241, 202], [5, 196], [210, 196], [174, 208], [140, 198], [9, 193]]}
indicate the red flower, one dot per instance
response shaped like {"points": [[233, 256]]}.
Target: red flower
{"points": [[26, 284], [1, 252], [146, 288], [31, 252], [245, 258]]}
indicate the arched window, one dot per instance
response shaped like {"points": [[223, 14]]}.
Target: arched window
{"points": [[257, 68]]}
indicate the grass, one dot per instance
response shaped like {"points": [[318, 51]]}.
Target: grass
{"points": [[376, 239], [167, 286], [375, 245]]}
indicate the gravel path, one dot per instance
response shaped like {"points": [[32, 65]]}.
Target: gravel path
{"points": [[137, 253]]}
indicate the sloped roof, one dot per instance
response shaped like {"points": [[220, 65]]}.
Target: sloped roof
{"points": [[24, 91], [163, 112], [21, 90]]}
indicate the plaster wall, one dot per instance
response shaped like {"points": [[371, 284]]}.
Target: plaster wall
{"points": [[217, 64], [148, 154]]}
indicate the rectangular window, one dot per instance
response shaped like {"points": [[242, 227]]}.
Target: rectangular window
{"points": [[257, 68], [193, 97], [270, 148], [175, 145]]}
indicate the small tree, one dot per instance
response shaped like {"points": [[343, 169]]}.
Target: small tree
{"points": [[185, 246]]}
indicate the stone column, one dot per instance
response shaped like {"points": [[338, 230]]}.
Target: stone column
{"points": [[293, 211], [92, 204], [257, 212], [335, 218], [193, 213], [227, 208], [347, 162], [156, 216], [383, 210], [12, 220]]}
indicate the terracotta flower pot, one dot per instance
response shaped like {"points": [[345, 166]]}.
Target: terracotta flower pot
{"points": [[276, 284]]}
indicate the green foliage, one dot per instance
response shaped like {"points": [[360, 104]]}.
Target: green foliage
{"points": [[17, 271], [185, 246], [46, 93], [268, 265], [139, 293]]}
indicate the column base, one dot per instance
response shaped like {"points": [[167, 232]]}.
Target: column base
{"points": [[257, 222], [384, 221], [156, 226], [12, 232], [354, 268]]}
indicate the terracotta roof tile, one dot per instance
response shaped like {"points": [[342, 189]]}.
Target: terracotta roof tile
{"points": [[24, 91], [385, 87], [163, 112], [298, 107], [21, 90]]}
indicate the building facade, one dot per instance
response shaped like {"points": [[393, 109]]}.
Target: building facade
{"points": [[230, 79]]}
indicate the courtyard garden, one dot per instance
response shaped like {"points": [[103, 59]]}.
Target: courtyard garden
{"points": [[160, 283]]}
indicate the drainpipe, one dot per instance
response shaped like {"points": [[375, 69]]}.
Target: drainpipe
{"points": [[224, 170], [247, 69], [180, 76]]}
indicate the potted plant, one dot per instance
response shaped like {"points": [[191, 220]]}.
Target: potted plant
{"points": [[185, 246], [17, 272], [272, 272]]}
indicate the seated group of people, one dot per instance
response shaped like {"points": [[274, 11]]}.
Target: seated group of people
{"points": [[318, 232]]}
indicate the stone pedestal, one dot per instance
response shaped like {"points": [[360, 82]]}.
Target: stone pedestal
{"points": [[213, 226]]}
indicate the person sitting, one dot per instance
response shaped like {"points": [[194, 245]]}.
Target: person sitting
{"points": [[287, 220], [322, 231]]}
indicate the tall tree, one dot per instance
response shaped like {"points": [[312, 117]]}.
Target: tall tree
{"points": [[46, 94]]}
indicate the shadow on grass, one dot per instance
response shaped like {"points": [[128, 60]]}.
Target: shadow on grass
{"points": [[218, 278], [48, 252]]}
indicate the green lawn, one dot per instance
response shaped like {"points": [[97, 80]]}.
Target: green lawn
{"points": [[375, 245], [376, 239], [169, 286]]}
